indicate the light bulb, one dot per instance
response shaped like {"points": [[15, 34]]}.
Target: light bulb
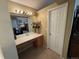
{"points": [[21, 12]]}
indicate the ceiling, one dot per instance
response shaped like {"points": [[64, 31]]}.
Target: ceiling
{"points": [[36, 4]]}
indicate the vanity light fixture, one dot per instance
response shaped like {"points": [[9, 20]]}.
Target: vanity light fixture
{"points": [[23, 12], [17, 11], [29, 13]]}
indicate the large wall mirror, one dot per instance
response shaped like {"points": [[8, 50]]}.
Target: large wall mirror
{"points": [[21, 25]]}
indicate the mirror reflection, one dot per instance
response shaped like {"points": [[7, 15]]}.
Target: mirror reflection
{"points": [[20, 24]]}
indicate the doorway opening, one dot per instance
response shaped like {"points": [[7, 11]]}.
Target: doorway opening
{"points": [[73, 50]]}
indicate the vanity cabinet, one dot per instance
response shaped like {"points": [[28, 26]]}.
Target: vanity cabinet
{"points": [[36, 41], [24, 46]]}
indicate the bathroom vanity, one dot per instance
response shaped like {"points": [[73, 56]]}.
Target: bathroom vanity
{"points": [[24, 34], [27, 40]]}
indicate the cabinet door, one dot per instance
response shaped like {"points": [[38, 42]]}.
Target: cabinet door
{"points": [[38, 41]]}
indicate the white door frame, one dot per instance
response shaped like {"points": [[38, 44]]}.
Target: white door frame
{"points": [[48, 22]]}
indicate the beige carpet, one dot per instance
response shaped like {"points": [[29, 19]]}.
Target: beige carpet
{"points": [[38, 53]]}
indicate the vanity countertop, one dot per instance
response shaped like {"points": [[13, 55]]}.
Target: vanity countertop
{"points": [[26, 37]]}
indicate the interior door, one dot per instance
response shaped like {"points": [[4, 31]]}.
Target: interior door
{"points": [[57, 23]]}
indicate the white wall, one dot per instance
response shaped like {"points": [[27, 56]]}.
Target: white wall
{"points": [[6, 36], [68, 29], [1, 53]]}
